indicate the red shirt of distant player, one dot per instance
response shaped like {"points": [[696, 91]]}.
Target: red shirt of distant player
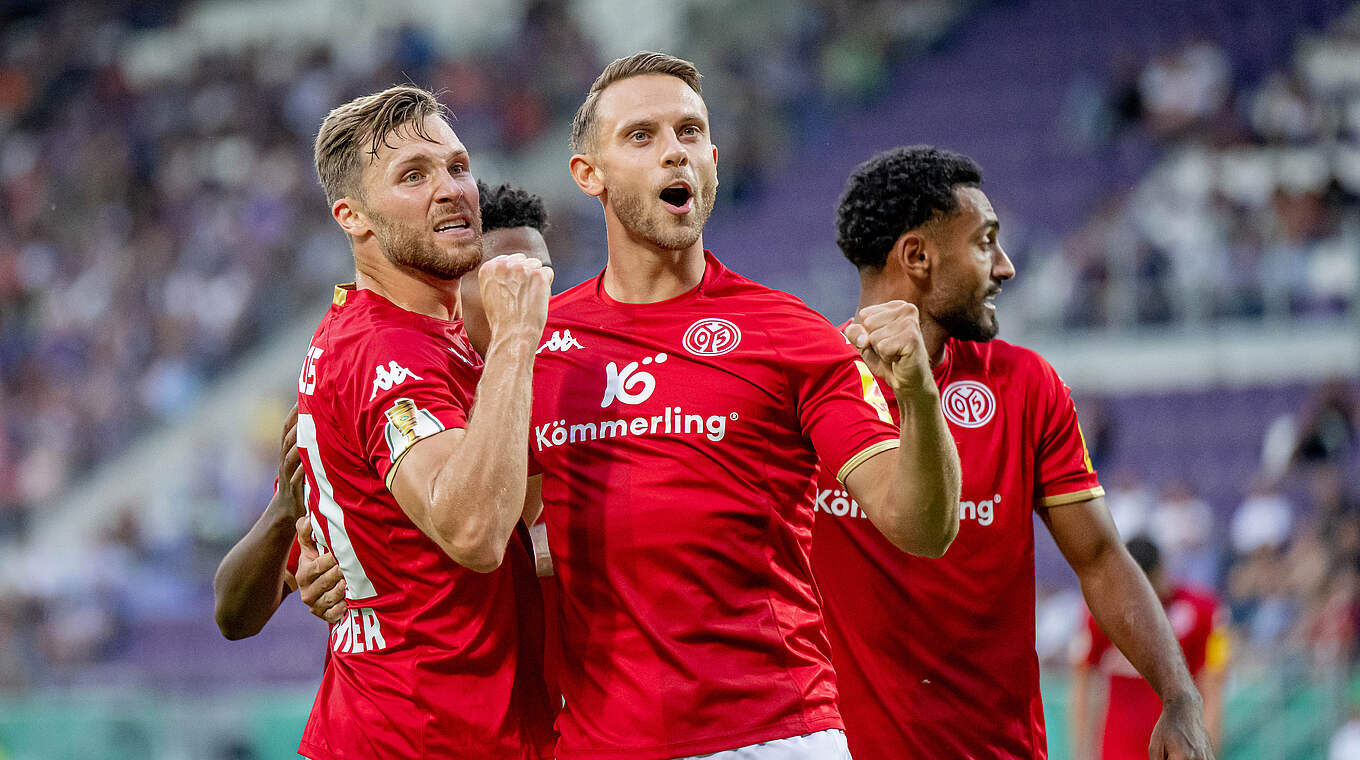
{"points": [[433, 660], [678, 442], [1133, 707], [935, 657]]}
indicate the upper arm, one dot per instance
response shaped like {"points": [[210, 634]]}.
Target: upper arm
{"points": [[1082, 530], [413, 473]]}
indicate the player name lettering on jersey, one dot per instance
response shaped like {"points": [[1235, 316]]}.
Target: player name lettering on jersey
{"points": [[357, 632], [672, 421]]}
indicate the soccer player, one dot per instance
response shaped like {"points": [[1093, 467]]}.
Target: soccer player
{"points": [[1131, 706], [256, 574], [936, 657], [415, 488], [679, 412], [259, 571]]}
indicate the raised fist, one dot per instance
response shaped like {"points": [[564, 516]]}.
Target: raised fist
{"points": [[888, 336], [515, 290]]}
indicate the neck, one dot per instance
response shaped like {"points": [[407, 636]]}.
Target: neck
{"points": [[640, 272], [411, 290], [875, 289]]}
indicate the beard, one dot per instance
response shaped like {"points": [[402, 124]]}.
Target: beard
{"points": [[642, 215], [969, 322], [414, 248]]}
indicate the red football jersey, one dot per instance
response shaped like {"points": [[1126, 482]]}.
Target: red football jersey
{"points": [[935, 657], [678, 442], [1133, 707], [433, 660]]}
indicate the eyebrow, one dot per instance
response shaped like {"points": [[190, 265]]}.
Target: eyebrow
{"points": [[425, 157], [988, 226], [688, 118]]}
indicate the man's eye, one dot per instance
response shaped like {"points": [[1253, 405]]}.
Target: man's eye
{"points": [[412, 177], [638, 136]]}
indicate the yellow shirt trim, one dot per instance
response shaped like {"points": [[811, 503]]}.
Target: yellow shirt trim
{"points": [[863, 456], [1072, 498], [341, 293]]}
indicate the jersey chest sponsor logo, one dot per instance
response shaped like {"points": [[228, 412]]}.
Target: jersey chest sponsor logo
{"points": [[629, 385], [837, 503], [968, 403], [711, 337], [626, 386], [392, 375], [561, 340]]}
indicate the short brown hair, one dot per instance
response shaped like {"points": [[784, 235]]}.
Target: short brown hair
{"points": [[364, 124], [635, 65]]}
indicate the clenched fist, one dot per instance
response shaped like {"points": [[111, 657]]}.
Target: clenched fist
{"points": [[888, 336], [515, 290]]}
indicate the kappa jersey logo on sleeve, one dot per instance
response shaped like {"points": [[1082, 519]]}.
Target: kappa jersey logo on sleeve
{"points": [[392, 375]]}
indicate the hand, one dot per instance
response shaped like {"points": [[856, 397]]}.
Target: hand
{"points": [[291, 475], [888, 336], [1180, 733], [320, 583], [515, 290]]}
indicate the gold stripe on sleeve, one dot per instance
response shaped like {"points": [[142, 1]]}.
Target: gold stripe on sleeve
{"points": [[863, 456], [1072, 498]]}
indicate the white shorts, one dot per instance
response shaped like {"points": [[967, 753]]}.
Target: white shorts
{"points": [[822, 745]]}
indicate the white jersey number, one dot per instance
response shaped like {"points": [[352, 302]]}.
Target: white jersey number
{"points": [[358, 586]]}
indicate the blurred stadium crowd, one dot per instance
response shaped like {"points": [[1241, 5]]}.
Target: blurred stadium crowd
{"points": [[161, 220]]}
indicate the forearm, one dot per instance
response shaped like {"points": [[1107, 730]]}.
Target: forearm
{"points": [[1124, 605], [249, 584], [477, 496], [917, 505]]}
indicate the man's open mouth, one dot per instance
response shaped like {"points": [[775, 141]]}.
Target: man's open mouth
{"points": [[678, 198]]}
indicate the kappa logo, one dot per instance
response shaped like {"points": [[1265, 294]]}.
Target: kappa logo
{"points": [[968, 404], [711, 337], [628, 384], [391, 375], [561, 340]]}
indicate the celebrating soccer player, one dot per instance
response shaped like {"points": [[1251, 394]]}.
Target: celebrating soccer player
{"points": [[936, 657], [679, 411], [1130, 708], [258, 572], [416, 488]]}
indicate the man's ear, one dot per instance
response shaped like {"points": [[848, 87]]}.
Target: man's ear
{"points": [[587, 175], [912, 254], [350, 217]]}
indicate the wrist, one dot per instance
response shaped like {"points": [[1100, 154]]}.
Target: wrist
{"points": [[516, 339], [1183, 698]]}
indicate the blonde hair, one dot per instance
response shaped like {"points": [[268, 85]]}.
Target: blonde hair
{"points": [[362, 126], [635, 65]]}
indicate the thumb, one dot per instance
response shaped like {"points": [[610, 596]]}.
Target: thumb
{"points": [[304, 533]]}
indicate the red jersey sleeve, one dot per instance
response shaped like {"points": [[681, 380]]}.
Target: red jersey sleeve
{"points": [[840, 407], [405, 393], [1066, 475]]}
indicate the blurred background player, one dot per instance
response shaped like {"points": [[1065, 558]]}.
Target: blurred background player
{"points": [[417, 492], [258, 572], [936, 658], [1129, 705], [677, 432]]}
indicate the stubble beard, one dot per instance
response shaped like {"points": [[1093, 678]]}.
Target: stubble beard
{"points": [[968, 324], [651, 223], [415, 249]]}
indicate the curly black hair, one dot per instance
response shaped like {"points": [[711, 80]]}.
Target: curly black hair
{"points": [[507, 206], [895, 191]]}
